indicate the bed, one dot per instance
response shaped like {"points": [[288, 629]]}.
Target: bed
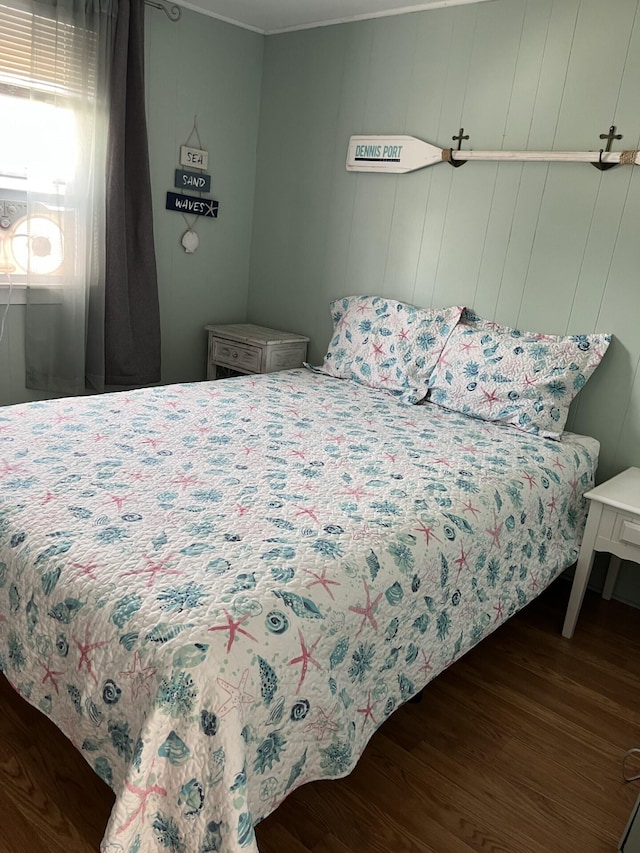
{"points": [[219, 591]]}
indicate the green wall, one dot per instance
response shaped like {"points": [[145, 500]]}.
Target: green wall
{"points": [[201, 66], [12, 368], [550, 247], [547, 247], [205, 67]]}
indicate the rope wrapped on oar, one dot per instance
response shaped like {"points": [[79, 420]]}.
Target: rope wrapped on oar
{"points": [[628, 158]]}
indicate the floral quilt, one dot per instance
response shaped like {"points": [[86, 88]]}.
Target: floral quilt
{"points": [[220, 590]]}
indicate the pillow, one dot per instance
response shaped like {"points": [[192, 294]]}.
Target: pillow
{"points": [[387, 344], [519, 378]]}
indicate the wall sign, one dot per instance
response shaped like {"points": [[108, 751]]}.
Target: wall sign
{"points": [[197, 157], [391, 154], [191, 204], [192, 181]]}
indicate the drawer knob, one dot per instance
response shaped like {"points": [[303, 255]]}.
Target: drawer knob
{"points": [[234, 354]]}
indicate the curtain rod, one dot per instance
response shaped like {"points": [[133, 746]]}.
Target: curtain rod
{"points": [[172, 12]]}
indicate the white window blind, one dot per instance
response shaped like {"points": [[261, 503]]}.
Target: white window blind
{"points": [[40, 54]]}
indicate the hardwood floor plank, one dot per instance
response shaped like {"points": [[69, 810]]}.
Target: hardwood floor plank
{"points": [[330, 844], [16, 833], [574, 755], [46, 786], [279, 838], [465, 797]]}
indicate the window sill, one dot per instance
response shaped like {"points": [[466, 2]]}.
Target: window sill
{"points": [[45, 296]]}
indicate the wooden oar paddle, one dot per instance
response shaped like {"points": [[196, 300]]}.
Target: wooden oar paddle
{"points": [[398, 154]]}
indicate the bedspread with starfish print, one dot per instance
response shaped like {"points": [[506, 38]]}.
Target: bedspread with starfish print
{"points": [[220, 590]]}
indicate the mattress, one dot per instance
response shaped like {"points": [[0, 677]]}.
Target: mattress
{"points": [[219, 591]]}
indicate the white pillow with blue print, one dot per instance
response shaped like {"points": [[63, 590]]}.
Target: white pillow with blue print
{"points": [[387, 344], [524, 379]]}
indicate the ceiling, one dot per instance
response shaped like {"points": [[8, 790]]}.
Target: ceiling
{"points": [[276, 16]]}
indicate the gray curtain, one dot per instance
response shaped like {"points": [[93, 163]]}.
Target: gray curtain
{"points": [[92, 316], [131, 309]]}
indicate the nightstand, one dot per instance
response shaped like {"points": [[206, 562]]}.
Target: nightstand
{"points": [[245, 348], [613, 525]]}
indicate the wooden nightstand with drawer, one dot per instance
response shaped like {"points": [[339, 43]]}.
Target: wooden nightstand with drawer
{"points": [[613, 525], [245, 348]]}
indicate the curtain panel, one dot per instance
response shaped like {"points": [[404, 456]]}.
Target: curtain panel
{"points": [[71, 72], [132, 313]]}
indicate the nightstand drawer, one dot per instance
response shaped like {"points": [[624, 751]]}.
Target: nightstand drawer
{"points": [[285, 356], [629, 532], [619, 534], [234, 355]]}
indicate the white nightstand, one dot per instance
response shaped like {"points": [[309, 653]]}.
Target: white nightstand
{"points": [[245, 348], [613, 525]]}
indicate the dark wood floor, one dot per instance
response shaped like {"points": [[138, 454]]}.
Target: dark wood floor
{"points": [[516, 748]]}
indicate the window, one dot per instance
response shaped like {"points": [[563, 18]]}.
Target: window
{"points": [[32, 236], [41, 79]]}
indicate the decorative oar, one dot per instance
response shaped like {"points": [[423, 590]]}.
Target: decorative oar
{"points": [[398, 154]]}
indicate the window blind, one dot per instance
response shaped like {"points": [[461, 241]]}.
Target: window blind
{"points": [[38, 52]]}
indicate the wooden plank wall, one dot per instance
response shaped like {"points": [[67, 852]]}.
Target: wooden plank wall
{"points": [[12, 365], [548, 247]]}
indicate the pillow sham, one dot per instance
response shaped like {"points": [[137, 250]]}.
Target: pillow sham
{"points": [[387, 344], [524, 379]]}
